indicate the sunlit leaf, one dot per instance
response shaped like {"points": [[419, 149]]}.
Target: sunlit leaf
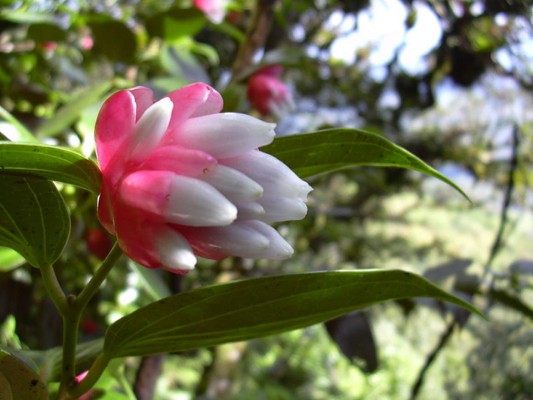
{"points": [[19, 131], [50, 162], [174, 28], [72, 110], [25, 16], [10, 259], [315, 153], [18, 381], [151, 280], [34, 218], [258, 307]]}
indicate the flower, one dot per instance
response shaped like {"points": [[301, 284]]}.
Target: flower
{"points": [[214, 10], [98, 242], [267, 93], [181, 179], [86, 42]]}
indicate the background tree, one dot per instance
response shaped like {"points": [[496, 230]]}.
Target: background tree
{"points": [[448, 80]]}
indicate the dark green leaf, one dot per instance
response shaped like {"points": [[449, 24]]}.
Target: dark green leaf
{"points": [[18, 381], [48, 362], [329, 150], [72, 110], [46, 32], [258, 307], [49, 162], [175, 23], [512, 302], [34, 218], [113, 39]]}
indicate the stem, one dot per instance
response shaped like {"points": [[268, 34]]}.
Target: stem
{"points": [[513, 165], [71, 323], [53, 288], [422, 374], [94, 284], [256, 37], [72, 308], [125, 386], [94, 373]]}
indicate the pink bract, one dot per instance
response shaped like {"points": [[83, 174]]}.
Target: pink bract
{"points": [[214, 10], [181, 179], [267, 93]]}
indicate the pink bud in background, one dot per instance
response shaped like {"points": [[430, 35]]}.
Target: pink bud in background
{"points": [[98, 242], [49, 46], [86, 42], [267, 93], [214, 10], [181, 179]]}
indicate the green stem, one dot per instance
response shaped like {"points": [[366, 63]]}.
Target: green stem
{"points": [[94, 284], [94, 373], [73, 308], [126, 387], [53, 288], [71, 324]]}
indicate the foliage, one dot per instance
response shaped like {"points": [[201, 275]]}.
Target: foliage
{"points": [[365, 96]]}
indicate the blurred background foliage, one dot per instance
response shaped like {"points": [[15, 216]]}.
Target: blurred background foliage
{"points": [[449, 80]]}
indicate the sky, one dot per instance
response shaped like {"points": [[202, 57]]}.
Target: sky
{"points": [[381, 29]]}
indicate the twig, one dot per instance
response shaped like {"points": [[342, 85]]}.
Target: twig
{"points": [[422, 374], [257, 34], [496, 246], [147, 376]]}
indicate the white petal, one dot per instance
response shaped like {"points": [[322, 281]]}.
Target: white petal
{"points": [[250, 210], [233, 184], [275, 178], [175, 253], [282, 209], [279, 249], [225, 135], [192, 202], [178, 199], [236, 240], [150, 129]]}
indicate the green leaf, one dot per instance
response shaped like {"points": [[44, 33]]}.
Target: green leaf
{"points": [[315, 153], [151, 281], [259, 307], [10, 259], [18, 381], [123, 45], [72, 110], [34, 219], [174, 28], [20, 134], [512, 302], [25, 16], [48, 362], [49, 162], [46, 32]]}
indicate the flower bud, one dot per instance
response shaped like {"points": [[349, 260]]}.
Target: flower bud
{"points": [[182, 180]]}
